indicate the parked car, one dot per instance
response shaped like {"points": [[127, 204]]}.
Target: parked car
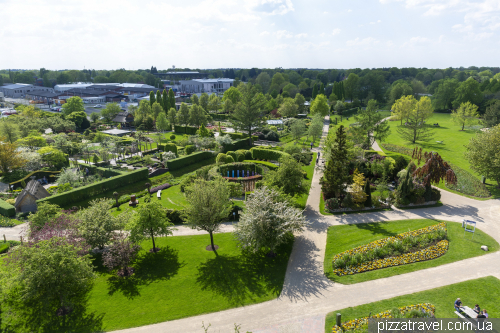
{"points": [[98, 106]]}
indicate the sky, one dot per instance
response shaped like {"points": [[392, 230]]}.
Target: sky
{"points": [[134, 34]]}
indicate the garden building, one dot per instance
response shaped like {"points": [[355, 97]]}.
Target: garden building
{"points": [[26, 201]]}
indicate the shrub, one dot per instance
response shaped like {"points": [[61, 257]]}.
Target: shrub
{"points": [[233, 155], [468, 184], [269, 165], [348, 202], [172, 136], [221, 158], [397, 149], [267, 154], [436, 195], [168, 147], [229, 159], [184, 161], [332, 204], [240, 156], [11, 201], [7, 209], [272, 136], [235, 189], [188, 180], [236, 145], [189, 149], [6, 222], [88, 191]]}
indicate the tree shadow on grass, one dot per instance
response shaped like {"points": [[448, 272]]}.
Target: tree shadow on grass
{"points": [[148, 268], [376, 228], [241, 279]]}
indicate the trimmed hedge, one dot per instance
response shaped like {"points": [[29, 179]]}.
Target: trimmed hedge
{"points": [[184, 161], [185, 129], [269, 165], [86, 192], [7, 209], [103, 172], [238, 136], [237, 145], [267, 154], [168, 147], [220, 117], [37, 174]]}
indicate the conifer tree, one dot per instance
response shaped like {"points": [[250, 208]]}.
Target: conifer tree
{"points": [[166, 102], [171, 98], [368, 192], [315, 91], [152, 98], [322, 89], [158, 98], [336, 174]]}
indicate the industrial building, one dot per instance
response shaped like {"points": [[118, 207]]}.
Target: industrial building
{"points": [[19, 90], [218, 86]]}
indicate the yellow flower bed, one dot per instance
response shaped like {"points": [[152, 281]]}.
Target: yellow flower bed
{"points": [[431, 252], [360, 322]]}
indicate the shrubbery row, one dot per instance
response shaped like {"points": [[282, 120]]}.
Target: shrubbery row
{"points": [[184, 161], [7, 209]]}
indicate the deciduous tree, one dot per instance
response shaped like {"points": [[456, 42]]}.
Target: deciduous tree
{"points": [[97, 225], [289, 108], [466, 114], [73, 104], [415, 128], [492, 115], [110, 112], [288, 178], [172, 116], [483, 154], [320, 106], [10, 157], [197, 116]]}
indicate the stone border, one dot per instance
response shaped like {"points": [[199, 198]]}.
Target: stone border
{"points": [[428, 203]]}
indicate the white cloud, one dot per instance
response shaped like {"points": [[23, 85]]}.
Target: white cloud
{"points": [[377, 22], [271, 7], [369, 41], [349, 10], [283, 34], [336, 31], [302, 35], [264, 33]]}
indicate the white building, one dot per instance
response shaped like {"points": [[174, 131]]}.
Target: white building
{"points": [[81, 85], [19, 90], [218, 86]]}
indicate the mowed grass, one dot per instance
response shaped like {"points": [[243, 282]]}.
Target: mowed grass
{"points": [[346, 237], [471, 292], [302, 199], [184, 280]]}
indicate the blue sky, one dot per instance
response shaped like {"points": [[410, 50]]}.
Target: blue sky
{"points": [[131, 34]]}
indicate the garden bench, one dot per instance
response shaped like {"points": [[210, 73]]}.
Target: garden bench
{"points": [[158, 194], [459, 315]]}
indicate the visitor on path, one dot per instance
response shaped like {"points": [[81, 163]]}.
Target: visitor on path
{"points": [[87, 172], [458, 304], [311, 145], [477, 309]]}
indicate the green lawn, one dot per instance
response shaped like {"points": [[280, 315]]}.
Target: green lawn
{"points": [[302, 200], [477, 291], [185, 280], [351, 120], [345, 237], [304, 141]]}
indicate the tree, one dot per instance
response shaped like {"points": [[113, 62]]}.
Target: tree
{"points": [[264, 80], [399, 90], [336, 175], [298, 128], [214, 103], [468, 91], [357, 188], [45, 213], [94, 116], [248, 112], [73, 104], [402, 108], [492, 115], [418, 88], [465, 114], [171, 98], [445, 94], [119, 256], [351, 86], [162, 122], [371, 124], [52, 157], [483, 155], [80, 119], [300, 100], [195, 99], [339, 108], [289, 108], [158, 99], [434, 169], [10, 157], [368, 193], [110, 112], [268, 221], [46, 285], [97, 225], [165, 101], [183, 114], [415, 129], [156, 110], [315, 91], [320, 106], [9, 130], [152, 98], [233, 95], [208, 206], [288, 178], [32, 141], [316, 127], [149, 220], [197, 116], [172, 116], [204, 101]]}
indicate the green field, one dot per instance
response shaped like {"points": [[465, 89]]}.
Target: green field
{"points": [[345, 237], [184, 280], [478, 291]]}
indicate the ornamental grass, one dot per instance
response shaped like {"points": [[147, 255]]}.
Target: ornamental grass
{"points": [[409, 311]]}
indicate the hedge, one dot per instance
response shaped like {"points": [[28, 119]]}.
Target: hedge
{"points": [[7, 209], [267, 154], [87, 192], [237, 136], [103, 172], [184, 161], [185, 129], [220, 117], [269, 165], [37, 174], [168, 147], [237, 145]]}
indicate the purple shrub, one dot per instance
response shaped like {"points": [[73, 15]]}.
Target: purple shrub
{"points": [[119, 256]]}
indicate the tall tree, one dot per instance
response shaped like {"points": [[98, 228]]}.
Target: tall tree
{"points": [[204, 101], [351, 86], [10, 157], [336, 175], [402, 107], [316, 127], [97, 226], [172, 116], [370, 123], [320, 106], [195, 99], [149, 220], [289, 108], [466, 114], [156, 109], [162, 123], [152, 98], [416, 129], [268, 221], [209, 205], [171, 98], [214, 103], [315, 91], [445, 94], [483, 155], [492, 115], [300, 100], [197, 116], [73, 104], [468, 91], [248, 112], [298, 128], [183, 114], [158, 98], [165, 101]]}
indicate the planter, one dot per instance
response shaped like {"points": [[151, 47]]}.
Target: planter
{"points": [[428, 203]]}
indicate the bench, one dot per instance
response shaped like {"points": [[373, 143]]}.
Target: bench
{"points": [[158, 194], [460, 315]]}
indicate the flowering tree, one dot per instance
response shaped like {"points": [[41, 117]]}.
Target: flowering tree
{"points": [[358, 193], [434, 169], [119, 256], [267, 221], [97, 225]]}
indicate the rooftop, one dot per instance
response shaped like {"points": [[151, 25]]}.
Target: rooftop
{"points": [[115, 131], [16, 86]]}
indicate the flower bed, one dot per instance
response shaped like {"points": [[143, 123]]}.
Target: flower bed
{"points": [[341, 267], [160, 187], [417, 205], [427, 310]]}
